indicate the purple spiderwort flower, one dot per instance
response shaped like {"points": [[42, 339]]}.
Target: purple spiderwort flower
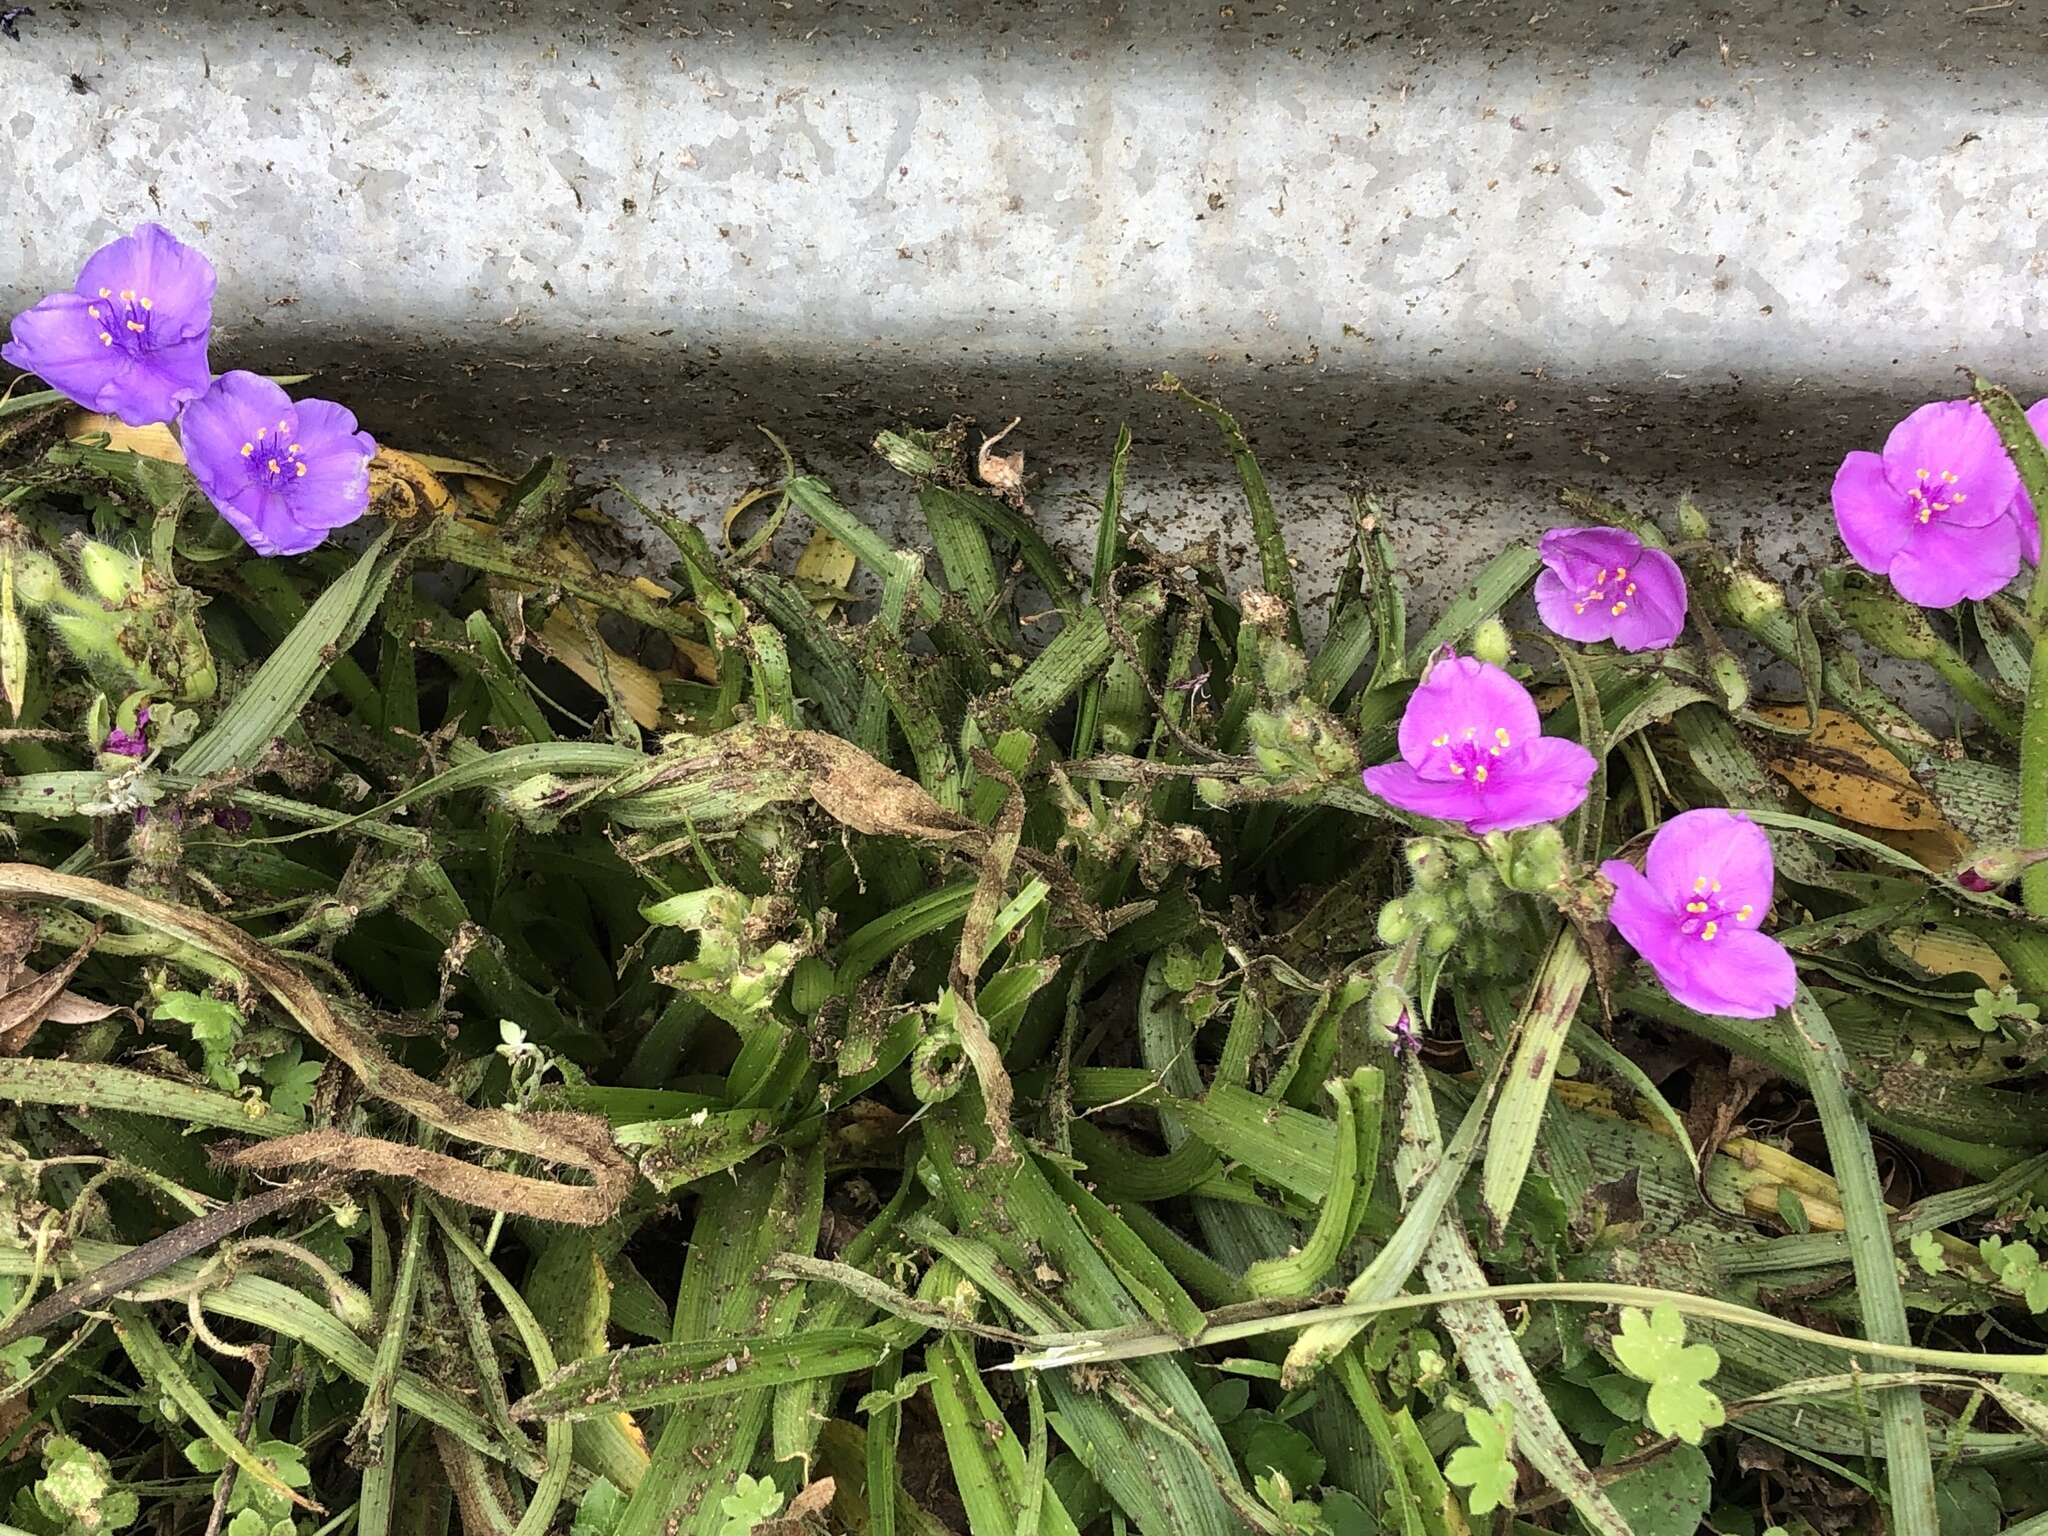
{"points": [[1473, 751], [1604, 584], [1407, 1039], [2023, 509], [1935, 511], [130, 338], [1694, 912], [283, 472], [233, 819], [129, 743]]}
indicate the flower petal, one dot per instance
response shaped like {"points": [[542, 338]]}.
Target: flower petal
{"points": [[1712, 851], [1563, 613], [1640, 914], [1655, 616], [1571, 551], [1944, 564], [1739, 975], [1542, 779], [1954, 437], [1875, 520], [1439, 799], [1463, 698], [177, 280]]}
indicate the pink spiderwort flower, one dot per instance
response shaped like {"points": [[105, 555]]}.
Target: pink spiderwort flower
{"points": [[2023, 510], [1473, 751], [130, 338], [1935, 511], [1605, 584], [282, 472], [1694, 912]]}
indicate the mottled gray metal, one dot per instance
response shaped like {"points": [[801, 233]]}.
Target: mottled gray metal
{"points": [[1452, 252]]}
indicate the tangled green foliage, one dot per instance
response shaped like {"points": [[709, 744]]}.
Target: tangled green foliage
{"points": [[776, 1050]]}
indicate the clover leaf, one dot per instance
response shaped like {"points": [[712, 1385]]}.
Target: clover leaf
{"points": [[1484, 1468], [1652, 1348]]}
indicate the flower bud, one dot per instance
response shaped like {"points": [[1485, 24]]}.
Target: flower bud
{"points": [[1429, 906], [1750, 595], [1731, 679], [1490, 643], [1282, 668], [1692, 522], [1429, 861], [1483, 892], [1396, 922], [1385, 1010], [2000, 866], [1535, 859], [113, 574], [1440, 939], [37, 578]]}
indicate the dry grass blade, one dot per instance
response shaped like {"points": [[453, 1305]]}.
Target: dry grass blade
{"points": [[580, 1141]]}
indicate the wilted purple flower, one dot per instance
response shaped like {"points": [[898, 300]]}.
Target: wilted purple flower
{"points": [[130, 338], [129, 743], [1604, 584], [1407, 1039], [2024, 512], [1473, 751], [1694, 911], [232, 819], [282, 472], [1934, 511]]}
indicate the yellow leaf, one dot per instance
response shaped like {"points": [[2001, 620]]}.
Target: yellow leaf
{"points": [[732, 513], [638, 687], [155, 442], [1944, 952], [829, 563], [1846, 772]]}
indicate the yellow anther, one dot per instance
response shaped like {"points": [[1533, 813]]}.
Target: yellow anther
{"points": [[1631, 592], [1699, 885], [1441, 741], [136, 325], [1695, 906], [1948, 477], [93, 310], [1618, 609], [1715, 887], [293, 448], [1709, 931], [1578, 607], [1500, 734], [1458, 770], [127, 295], [106, 293], [1479, 773], [1742, 912], [1926, 513], [300, 468], [283, 427], [148, 303], [271, 465], [1621, 573], [106, 339], [1921, 473], [247, 449], [261, 433]]}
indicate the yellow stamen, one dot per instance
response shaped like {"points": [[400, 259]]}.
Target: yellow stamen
{"points": [[1695, 906], [106, 293], [1709, 931], [136, 325], [1457, 770], [1621, 573], [1631, 592], [294, 448], [1441, 741], [247, 449], [147, 303], [127, 294], [106, 339], [1699, 885], [93, 310], [1921, 473], [1500, 734], [271, 465], [1742, 912], [1479, 773], [300, 468], [1948, 477], [1618, 609], [1715, 887]]}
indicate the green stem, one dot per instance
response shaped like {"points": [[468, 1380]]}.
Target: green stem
{"points": [[1908, 1458], [1064, 1350]]}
